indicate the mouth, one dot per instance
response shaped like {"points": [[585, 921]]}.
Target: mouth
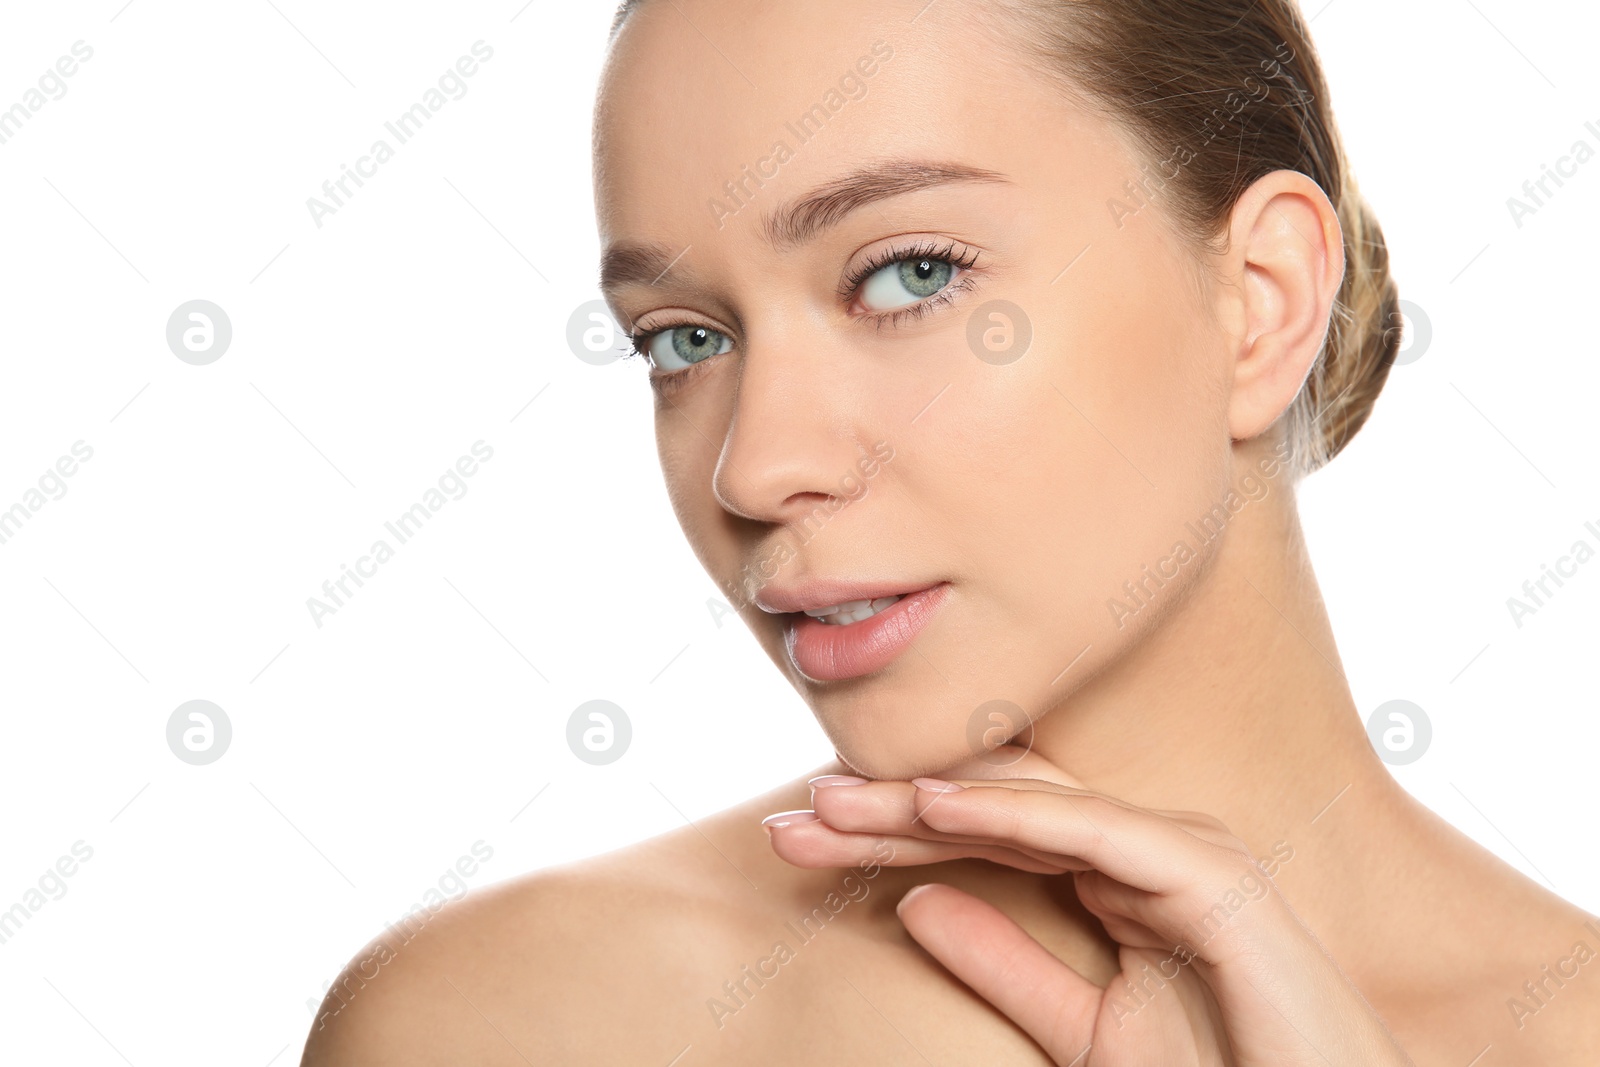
{"points": [[858, 637], [852, 612]]}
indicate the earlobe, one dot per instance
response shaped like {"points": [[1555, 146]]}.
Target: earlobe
{"points": [[1288, 250]]}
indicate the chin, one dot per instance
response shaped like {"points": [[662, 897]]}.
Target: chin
{"points": [[899, 739], [881, 765]]}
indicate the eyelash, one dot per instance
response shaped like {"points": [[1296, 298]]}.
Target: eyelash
{"points": [[946, 253], [925, 250]]}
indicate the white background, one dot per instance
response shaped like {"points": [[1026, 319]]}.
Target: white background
{"points": [[430, 312]]}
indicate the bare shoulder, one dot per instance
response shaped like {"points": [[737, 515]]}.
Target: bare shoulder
{"points": [[1496, 970], [608, 959], [1519, 985], [1549, 1003]]}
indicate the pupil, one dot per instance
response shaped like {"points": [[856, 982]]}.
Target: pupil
{"points": [[924, 270], [699, 336]]}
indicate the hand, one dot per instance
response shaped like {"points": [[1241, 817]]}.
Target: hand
{"points": [[1216, 967]]}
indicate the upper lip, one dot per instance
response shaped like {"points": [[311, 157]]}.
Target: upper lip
{"points": [[827, 592]]}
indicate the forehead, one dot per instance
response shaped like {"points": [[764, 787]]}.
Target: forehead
{"points": [[712, 113]]}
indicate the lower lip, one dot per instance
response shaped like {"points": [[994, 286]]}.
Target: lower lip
{"points": [[827, 653]]}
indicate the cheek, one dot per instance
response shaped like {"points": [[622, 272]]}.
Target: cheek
{"points": [[688, 464], [1067, 473], [1113, 433]]}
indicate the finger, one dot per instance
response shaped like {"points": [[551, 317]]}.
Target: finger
{"points": [[1192, 819], [1239, 919], [1206, 827], [1048, 779], [1186, 881], [812, 843], [888, 808], [890, 805], [1000, 962], [1136, 847], [1125, 912]]}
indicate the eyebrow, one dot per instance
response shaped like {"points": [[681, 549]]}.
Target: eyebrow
{"points": [[801, 220]]}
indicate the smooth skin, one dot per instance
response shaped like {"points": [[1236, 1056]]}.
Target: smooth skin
{"points": [[1247, 984], [1168, 746]]}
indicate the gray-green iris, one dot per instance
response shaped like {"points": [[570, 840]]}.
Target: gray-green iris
{"points": [[924, 277], [694, 343]]}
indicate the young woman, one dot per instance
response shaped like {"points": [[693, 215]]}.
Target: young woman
{"points": [[989, 341]]}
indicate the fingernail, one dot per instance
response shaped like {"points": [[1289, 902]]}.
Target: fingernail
{"points": [[785, 818], [835, 779], [913, 891], [937, 785]]}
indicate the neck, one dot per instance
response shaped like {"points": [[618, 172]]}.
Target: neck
{"points": [[1234, 703]]}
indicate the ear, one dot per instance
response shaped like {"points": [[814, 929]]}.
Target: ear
{"points": [[1287, 251]]}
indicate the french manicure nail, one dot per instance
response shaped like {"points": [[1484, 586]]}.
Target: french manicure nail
{"points": [[937, 785], [835, 779], [786, 818]]}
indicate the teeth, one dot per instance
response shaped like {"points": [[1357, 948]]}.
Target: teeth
{"points": [[854, 611]]}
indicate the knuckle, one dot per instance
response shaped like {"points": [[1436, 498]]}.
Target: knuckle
{"points": [[1209, 822], [1233, 864]]}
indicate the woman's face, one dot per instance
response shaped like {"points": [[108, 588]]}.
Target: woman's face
{"points": [[911, 329]]}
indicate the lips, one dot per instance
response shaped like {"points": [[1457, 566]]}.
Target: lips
{"points": [[827, 652], [825, 593]]}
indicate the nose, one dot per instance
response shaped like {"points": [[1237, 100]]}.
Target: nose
{"points": [[795, 438]]}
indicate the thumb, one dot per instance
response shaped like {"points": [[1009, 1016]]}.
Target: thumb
{"points": [[999, 961]]}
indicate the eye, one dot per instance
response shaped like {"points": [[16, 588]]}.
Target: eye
{"points": [[906, 281], [680, 346]]}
